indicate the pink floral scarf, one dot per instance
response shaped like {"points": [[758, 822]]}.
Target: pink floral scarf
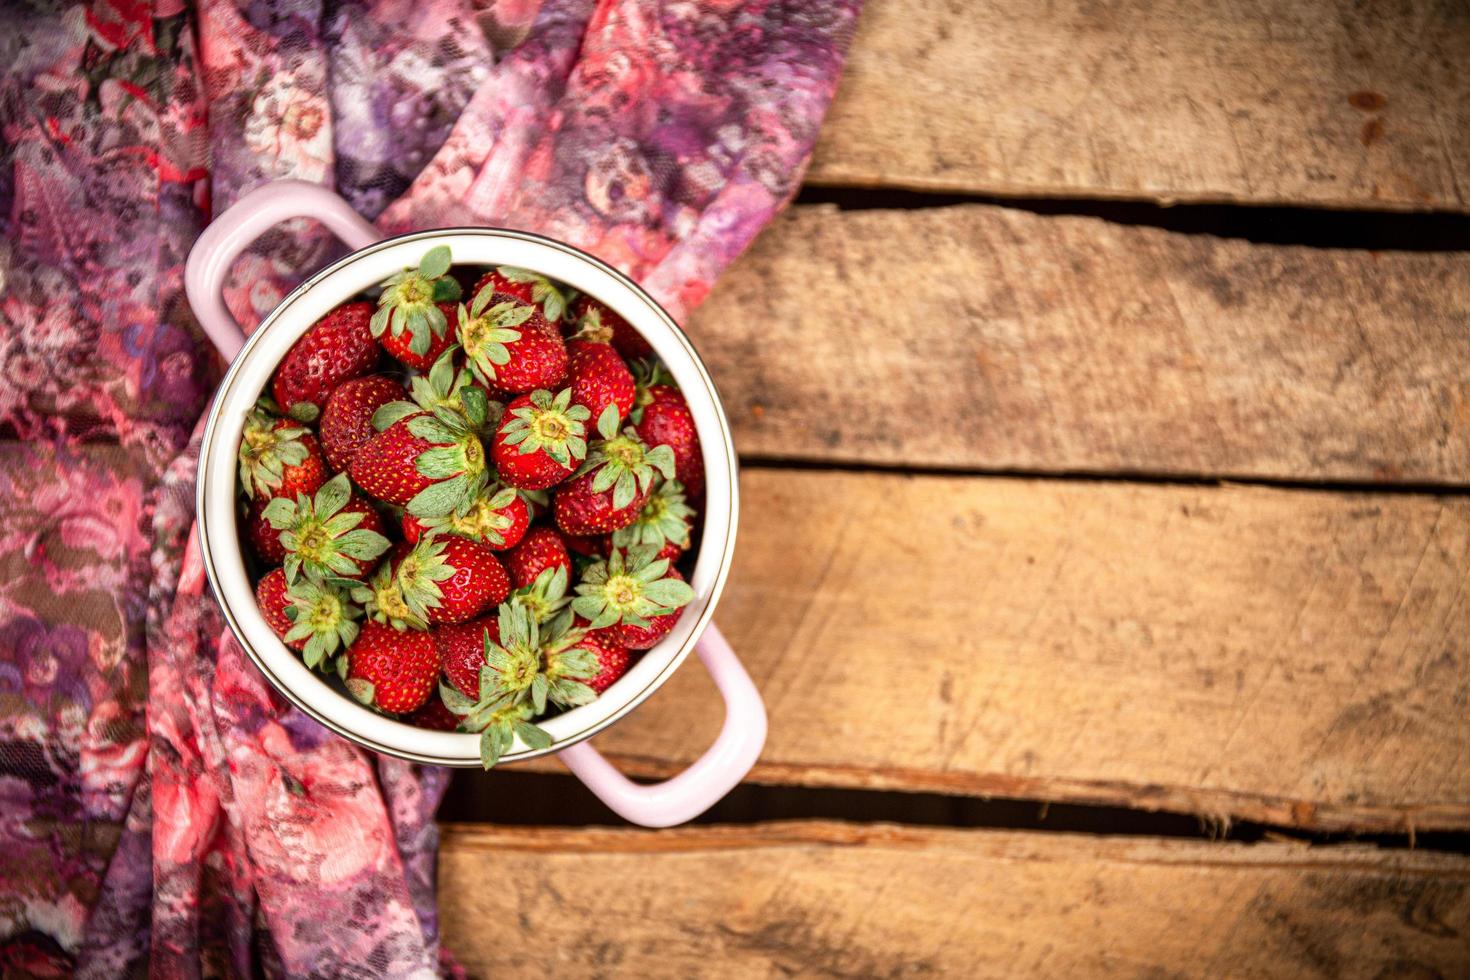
{"points": [[161, 810]]}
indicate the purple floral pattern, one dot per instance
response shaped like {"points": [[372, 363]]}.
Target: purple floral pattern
{"points": [[163, 810]]}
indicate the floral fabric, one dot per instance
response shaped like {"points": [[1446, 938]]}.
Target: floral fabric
{"points": [[161, 809]]}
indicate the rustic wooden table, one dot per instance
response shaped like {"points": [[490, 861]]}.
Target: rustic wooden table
{"points": [[1112, 507]]}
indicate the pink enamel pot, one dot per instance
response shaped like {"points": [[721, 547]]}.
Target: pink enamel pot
{"points": [[253, 361]]}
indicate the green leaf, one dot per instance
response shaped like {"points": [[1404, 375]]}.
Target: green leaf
{"points": [[363, 544], [361, 690], [670, 592], [379, 322], [534, 736], [333, 495], [476, 405], [430, 429], [446, 290], [607, 425], [454, 700], [440, 498], [393, 412], [280, 513], [539, 688], [304, 412], [435, 263], [440, 463]]}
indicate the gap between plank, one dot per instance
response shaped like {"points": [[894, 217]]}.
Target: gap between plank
{"points": [[507, 797], [763, 462], [1267, 224]]}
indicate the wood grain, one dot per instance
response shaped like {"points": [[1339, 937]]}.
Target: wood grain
{"points": [[834, 900], [1295, 657], [1296, 101], [988, 338]]}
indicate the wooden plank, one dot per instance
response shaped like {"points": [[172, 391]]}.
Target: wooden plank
{"points": [[1294, 657], [989, 338], [1296, 101], [834, 900]]}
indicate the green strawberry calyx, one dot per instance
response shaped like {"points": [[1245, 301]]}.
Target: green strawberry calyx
{"points": [[321, 614], [629, 587], [409, 301], [265, 451], [383, 599], [484, 333], [646, 374], [551, 424], [664, 518], [622, 461], [543, 291], [547, 595], [449, 412], [482, 521], [319, 537], [415, 580]]}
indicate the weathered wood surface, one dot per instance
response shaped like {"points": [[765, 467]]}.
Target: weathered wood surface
{"points": [[1295, 657], [834, 900], [1301, 101], [985, 337]]}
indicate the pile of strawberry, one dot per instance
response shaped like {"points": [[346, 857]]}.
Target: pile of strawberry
{"points": [[457, 588]]}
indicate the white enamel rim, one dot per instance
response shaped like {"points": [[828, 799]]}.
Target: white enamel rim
{"points": [[249, 375]]}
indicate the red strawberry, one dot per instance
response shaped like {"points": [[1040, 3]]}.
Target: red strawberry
{"points": [[434, 716], [270, 595], [279, 458], [391, 670], [462, 651], [588, 312], [497, 519], [428, 457], [442, 579], [412, 319], [508, 344], [612, 658], [265, 540], [347, 421], [612, 486], [600, 378], [526, 286], [540, 440], [334, 533], [661, 417], [400, 346], [542, 548], [336, 348], [635, 592]]}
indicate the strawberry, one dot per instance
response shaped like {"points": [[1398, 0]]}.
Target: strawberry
{"points": [[334, 534], [600, 379], [265, 540], [427, 455], [664, 522], [509, 345], [278, 457], [636, 637], [541, 439], [400, 346], [636, 591], [391, 670], [442, 579], [347, 421], [661, 417], [542, 548], [612, 659], [588, 545], [614, 483], [526, 666], [434, 716], [594, 314], [270, 595], [336, 348], [413, 312], [496, 518], [526, 286], [461, 649]]}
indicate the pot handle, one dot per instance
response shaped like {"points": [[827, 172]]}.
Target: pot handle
{"points": [[243, 222], [703, 784]]}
